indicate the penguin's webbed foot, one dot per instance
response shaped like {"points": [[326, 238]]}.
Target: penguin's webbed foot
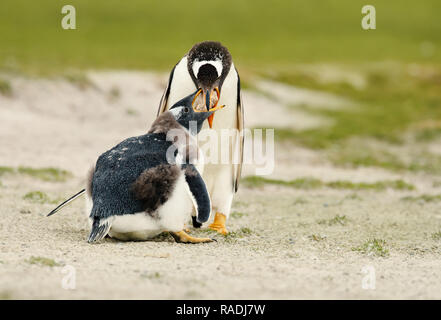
{"points": [[183, 237], [219, 224]]}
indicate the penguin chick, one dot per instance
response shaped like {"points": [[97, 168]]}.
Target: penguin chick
{"points": [[146, 185]]}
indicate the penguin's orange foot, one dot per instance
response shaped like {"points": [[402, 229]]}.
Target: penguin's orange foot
{"points": [[183, 237], [219, 224]]}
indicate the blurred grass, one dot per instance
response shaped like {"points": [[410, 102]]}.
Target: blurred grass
{"points": [[43, 261], [373, 247], [395, 115], [44, 174], [140, 34], [312, 183], [5, 87], [399, 61], [423, 198], [393, 97]]}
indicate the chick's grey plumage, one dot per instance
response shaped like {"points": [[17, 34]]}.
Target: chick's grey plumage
{"points": [[136, 175], [118, 169]]}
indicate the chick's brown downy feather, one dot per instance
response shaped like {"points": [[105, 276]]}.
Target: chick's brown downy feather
{"points": [[155, 185]]}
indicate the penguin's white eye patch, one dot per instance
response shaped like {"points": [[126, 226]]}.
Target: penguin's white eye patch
{"points": [[176, 111], [215, 63]]}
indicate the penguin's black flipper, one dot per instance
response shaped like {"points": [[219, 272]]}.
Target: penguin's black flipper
{"points": [[100, 228], [198, 192], [163, 104], [241, 138], [196, 224]]}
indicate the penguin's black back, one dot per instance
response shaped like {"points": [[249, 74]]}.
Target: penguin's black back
{"points": [[118, 169]]}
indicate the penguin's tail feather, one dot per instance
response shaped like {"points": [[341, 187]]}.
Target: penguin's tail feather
{"points": [[66, 202], [100, 228]]}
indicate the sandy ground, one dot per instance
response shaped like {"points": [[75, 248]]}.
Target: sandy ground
{"points": [[280, 248]]}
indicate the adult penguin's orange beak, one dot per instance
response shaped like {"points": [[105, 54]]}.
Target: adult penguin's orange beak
{"points": [[206, 100], [194, 99], [214, 95]]}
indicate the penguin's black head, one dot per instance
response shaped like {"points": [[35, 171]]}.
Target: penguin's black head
{"points": [[187, 116], [208, 64]]}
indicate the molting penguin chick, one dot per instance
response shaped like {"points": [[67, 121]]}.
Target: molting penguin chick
{"points": [[141, 187]]}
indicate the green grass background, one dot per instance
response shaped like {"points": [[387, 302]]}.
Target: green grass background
{"points": [[400, 60], [154, 34]]}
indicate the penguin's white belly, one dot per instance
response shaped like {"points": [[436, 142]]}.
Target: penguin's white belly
{"points": [[139, 226], [171, 216]]}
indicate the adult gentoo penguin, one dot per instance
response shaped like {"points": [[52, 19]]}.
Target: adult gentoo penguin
{"points": [[209, 66], [146, 185]]}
